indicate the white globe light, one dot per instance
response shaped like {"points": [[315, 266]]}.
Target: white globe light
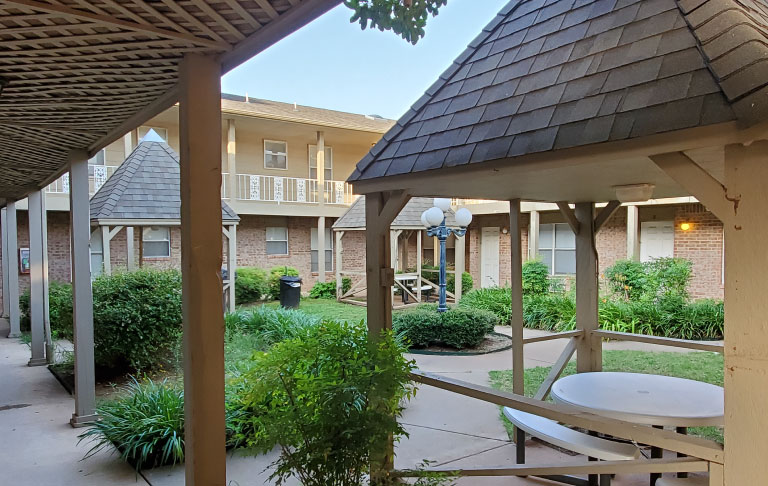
{"points": [[434, 216], [443, 203], [424, 219], [463, 217]]}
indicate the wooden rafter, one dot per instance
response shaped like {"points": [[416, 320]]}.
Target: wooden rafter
{"points": [[606, 213], [569, 215]]}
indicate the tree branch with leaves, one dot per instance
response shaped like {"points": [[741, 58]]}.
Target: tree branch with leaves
{"points": [[406, 18]]}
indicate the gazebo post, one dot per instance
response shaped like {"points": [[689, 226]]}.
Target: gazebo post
{"points": [[419, 256], [201, 259], [380, 210], [14, 317], [105, 249], [129, 245], [37, 277], [232, 264], [516, 277], [459, 260], [339, 278]]}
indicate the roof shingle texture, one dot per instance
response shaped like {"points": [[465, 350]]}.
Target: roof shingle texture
{"points": [[409, 217], [555, 74], [146, 186]]}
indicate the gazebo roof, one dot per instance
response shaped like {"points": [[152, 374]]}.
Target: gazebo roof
{"points": [[409, 217], [146, 187], [551, 75]]}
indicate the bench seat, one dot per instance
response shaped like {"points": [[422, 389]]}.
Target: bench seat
{"points": [[697, 481], [572, 440]]}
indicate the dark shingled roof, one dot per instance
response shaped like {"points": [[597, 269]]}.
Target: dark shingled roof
{"points": [[555, 74], [146, 186], [409, 217]]}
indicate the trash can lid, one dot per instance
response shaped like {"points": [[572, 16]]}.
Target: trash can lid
{"points": [[290, 279]]}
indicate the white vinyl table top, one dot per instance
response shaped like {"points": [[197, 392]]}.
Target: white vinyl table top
{"points": [[643, 399]]}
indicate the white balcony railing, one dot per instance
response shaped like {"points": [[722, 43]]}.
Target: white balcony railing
{"points": [[97, 176], [253, 187]]}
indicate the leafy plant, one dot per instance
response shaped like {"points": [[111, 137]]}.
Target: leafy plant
{"points": [[250, 284], [661, 277], [328, 400], [59, 309], [535, 278], [146, 425], [406, 18], [274, 279], [458, 328], [550, 312], [270, 324], [327, 290], [466, 282], [494, 299]]}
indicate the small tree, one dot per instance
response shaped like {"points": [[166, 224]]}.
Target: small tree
{"points": [[535, 277], [406, 18]]}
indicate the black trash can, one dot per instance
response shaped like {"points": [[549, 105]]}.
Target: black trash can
{"points": [[290, 292]]}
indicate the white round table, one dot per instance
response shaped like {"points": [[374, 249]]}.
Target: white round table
{"points": [[643, 399]]}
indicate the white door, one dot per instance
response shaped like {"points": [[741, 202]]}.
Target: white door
{"points": [[657, 240], [489, 257]]}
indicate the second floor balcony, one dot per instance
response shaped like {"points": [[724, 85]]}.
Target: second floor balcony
{"points": [[287, 190]]}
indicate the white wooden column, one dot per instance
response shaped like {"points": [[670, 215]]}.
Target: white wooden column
{"points": [[339, 254], [321, 201], [589, 350], [232, 264], [127, 144], [231, 160], [201, 259], [105, 249], [129, 247], [82, 294], [50, 352], [5, 265], [14, 316], [36, 279], [460, 265], [534, 228], [419, 257], [633, 232], [516, 277], [321, 249]]}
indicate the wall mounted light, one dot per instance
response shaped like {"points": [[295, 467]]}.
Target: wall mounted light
{"points": [[634, 192], [686, 226]]}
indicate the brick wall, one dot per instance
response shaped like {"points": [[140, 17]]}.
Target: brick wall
{"points": [[703, 245], [611, 240]]}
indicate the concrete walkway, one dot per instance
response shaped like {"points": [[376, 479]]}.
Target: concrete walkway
{"points": [[40, 447]]}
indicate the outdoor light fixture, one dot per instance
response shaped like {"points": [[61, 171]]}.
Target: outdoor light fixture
{"points": [[434, 220], [634, 192], [686, 226]]}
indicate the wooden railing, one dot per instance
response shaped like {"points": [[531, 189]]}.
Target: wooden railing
{"points": [[278, 189], [98, 175]]}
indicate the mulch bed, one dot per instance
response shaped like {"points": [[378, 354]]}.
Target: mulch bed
{"points": [[493, 343]]}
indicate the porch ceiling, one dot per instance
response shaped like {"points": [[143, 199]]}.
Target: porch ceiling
{"points": [[82, 73]]}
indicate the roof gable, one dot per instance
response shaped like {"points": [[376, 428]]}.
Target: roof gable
{"points": [[547, 75], [408, 218], [146, 186]]}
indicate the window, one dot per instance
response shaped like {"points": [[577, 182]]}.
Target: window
{"points": [[275, 155], [162, 132], [277, 241], [328, 250], [97, 253], [98, 159], [557, 248], [156, 242], [313, 162]]}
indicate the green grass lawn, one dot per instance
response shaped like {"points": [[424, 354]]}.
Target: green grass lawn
{"points": [[700, 366], [329, 309]]}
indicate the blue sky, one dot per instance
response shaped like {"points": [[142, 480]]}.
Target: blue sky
{"points": [[333, 64]]}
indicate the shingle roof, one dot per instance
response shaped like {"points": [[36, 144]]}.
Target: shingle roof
{"points": [[555, 74], [304, 114], [146, 186], [409, 217]]}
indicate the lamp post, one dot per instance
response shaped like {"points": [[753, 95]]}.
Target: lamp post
{"points": [[434, 220]]}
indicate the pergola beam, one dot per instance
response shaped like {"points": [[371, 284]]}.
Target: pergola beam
{"points": [[570, 217], [605, 214]]}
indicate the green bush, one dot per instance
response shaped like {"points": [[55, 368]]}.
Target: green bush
{"points": [[466, 282], [628, 278], [549, 312], [250, 284], [661, 277], [494, 299], [327, 290], [328, 400], [137, 318], [270, 324], [535, 278], [59, 309], [274, 279], [146, 425], [458, 328]]}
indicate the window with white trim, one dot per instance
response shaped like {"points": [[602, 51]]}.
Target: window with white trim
{"points": [[328, 163], [328, 250], [98, 159], [557, 248], [162, 132], [156, 242], [277, 240], [275, 154], [97, 253]]}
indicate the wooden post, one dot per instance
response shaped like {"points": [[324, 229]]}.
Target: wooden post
{"points": [[129, 246], [201, 259], [5, 261], [589, 355], [459, 265], [516, 276], [105, 249], [633, 232], [50, 352], [419, 256], [14, 316], [321, 249], [232, 264], [141, 247], [82, 294], [231, 160], [36, 299], [339, 278], [533, 235]]}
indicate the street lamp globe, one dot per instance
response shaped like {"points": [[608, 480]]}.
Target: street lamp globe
{"points": [[434, 216], [424, 219], [443, 203], [463, 217]]}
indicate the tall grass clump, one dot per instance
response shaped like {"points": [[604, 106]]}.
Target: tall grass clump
{"points": [[270, 325]]}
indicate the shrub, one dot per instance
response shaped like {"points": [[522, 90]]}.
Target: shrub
{"points": [[271, 324], [329, 400], [59, 309], [670, 276], [550, 312], [458, 328], [628, 278], [466, 282], [137, 318], [146, 426], [327, 290], [535, 278], [250, 284], [494, 299], [274, 279], [661, 277]]}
